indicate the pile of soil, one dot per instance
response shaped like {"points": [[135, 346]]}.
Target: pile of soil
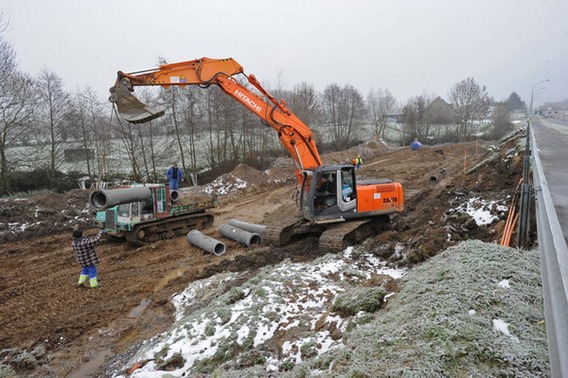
{"points": [[24, 218]]}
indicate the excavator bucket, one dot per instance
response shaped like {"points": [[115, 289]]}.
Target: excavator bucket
{"points": [[129, 107]]}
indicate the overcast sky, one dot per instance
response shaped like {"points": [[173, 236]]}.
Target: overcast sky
{"points": [[409, 47]]}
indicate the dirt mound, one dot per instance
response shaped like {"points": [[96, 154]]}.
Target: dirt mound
{"points": [[281, 172], [249, 180], [243, 178], [369, 151], [44, 215]]}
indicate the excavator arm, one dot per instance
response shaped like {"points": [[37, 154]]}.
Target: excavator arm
{"points": [[294, 135]]}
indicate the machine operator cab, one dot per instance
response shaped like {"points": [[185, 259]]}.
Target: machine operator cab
{"points": [[329, 194]]}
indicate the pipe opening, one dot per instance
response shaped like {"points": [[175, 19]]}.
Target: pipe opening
{"points": [[174, 195], [98, 200], [219, 249], [254, 240]]}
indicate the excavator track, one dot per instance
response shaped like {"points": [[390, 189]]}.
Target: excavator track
{"points": [[337, 237], [281, 233], [333, 237], [289, 230], [170, 228]]}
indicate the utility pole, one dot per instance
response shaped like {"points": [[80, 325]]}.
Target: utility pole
{"points": [[532, 95]]}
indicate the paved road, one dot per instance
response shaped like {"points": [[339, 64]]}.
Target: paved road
{"points": [[552, 141]]}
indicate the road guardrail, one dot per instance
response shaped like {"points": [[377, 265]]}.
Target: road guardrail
{"points": [[554, 268]]}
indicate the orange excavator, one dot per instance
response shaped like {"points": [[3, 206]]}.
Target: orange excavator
{"points": [[334, 204]]}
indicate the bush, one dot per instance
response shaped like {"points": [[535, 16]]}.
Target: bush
{"points": [[42, 179]]}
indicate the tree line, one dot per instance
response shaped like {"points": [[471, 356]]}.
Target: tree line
{"points": [[204, 128]]}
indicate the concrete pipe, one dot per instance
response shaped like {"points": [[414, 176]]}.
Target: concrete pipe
{"points": [[174, 195], [237, 234], [436, 177], [250, 227], [103, 199], [207, 243]]}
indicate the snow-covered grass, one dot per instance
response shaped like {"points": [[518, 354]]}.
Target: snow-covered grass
{"points": [[284, 313], [473, 310]]}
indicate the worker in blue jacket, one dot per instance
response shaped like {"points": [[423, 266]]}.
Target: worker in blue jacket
{"points": [[174, 175], [415, 145]]}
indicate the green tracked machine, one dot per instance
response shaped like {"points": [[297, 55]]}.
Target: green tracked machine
{"points": [[145, 213]]}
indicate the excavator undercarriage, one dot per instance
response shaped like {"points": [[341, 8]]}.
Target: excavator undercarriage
{"points": [[165, 229], [333, 237]]}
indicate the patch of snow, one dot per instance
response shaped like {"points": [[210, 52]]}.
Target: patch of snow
{"points": [[504, 284], [499, 325], [292, 297], [272, 365], [481, 211], [222, 186]]}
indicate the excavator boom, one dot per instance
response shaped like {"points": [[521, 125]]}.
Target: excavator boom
{"points": [[294, 135], [202, 72]]}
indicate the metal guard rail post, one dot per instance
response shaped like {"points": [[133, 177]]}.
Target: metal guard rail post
{"points": [[554, 269]]}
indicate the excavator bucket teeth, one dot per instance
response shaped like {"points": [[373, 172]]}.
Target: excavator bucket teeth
{"points": [[129, 107]]}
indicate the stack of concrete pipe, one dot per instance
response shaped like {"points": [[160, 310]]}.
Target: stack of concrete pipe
{"points": [[238, 234], [245, 233]]}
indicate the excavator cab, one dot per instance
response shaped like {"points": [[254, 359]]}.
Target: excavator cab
{"points": [[333, 194], [329, 194]]}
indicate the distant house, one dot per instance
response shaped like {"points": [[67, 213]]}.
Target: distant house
{"points": [[439, 112]]}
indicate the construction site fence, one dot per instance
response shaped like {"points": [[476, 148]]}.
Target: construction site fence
{"points": [[554, 268]]}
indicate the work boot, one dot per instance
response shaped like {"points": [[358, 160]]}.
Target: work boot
{"points": [[94, 282], [82, 279]]}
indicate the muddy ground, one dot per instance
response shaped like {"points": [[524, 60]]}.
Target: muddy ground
{"points": [[51, 328]]}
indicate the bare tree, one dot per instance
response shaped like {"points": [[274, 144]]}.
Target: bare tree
{"points": [[131, 144], [17, 102], [221, 117], [501, 123], [88, 123], [381, 104], [147, 134], [471, 104], [4, 23], [415, 120], [171, 98], [304, 102], [54, 103], [344, 112], [192, 117]]}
